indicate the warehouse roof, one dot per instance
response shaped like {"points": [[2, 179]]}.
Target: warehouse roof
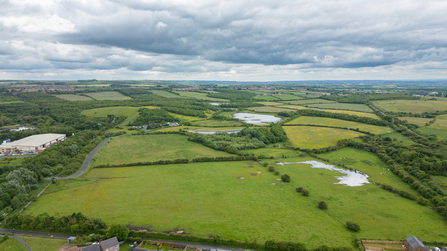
{"points": [[34, 140]]}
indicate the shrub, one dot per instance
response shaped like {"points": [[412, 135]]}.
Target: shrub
{"points": [[299, 189], [265, 164], [352, 226], [271, 169], [285, 178], [422, 201], [120, 231], [277, 172], [322, 205], [304, 192]]}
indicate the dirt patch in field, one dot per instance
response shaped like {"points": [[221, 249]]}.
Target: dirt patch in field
{"points": [[240, 178]]}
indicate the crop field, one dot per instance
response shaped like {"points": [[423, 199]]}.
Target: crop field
{"points": [[360, 114], [416, 121], [270, 103], [107, 96], [165, 94], [269, 109], [309, 101], [413, 106], [310, 137], [199, 95], [118, 110], [139, 148], [73, 97], [219, 123], [288, 97], [305, 120], [343, 106], [12, 245], [441, 134], [266, 98], [440, 123]]}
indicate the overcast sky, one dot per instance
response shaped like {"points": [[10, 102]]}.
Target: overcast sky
{"points": [[223, 40]]}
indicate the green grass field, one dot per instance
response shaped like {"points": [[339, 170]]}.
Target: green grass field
{"points": [[200, 128], [107, 96], [269, 109], [343, 106], [295, 107], [270, 103], [440, 123], [273, 151], [288, 97], [73, 97], [165, 94], [440, 133], [309, 101], [199, 95], [12, 245], [219, 123], [397, 137], [265, 98], [118, 110], [416, 121], [413, 106], [139, 148], [44, 243], [360, 114], [310, 137], [305, 120]]}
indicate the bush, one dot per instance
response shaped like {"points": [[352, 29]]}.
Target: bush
{"points": [[285, 178], [271, 169], [352, 226], [277, 172], [304, 192], [322, 205], [120, 231], [299, 189], [422, 201], [265, 164]]}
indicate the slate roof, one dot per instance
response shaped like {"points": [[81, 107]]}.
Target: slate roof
{"points": [[109, 243], [91, 248], [415, 242]]}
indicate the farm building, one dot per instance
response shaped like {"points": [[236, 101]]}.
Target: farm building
{"points": [[37, 142], [412, 243]]}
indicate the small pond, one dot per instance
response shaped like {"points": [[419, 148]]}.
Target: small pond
{"points": [[257, 119], [352, 178], [217, 103]]}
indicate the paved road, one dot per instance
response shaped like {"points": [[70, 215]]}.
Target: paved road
{"points": [[86, 163], [63, 236]]}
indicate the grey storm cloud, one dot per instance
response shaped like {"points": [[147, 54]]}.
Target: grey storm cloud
{"points": [[218, 36]]}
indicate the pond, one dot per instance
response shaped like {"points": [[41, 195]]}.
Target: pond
{"points": [[256, 119], [217, 103], [352, 178], [213, 132]]}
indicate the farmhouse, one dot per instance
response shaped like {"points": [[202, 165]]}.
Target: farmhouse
{"points": [[37, 142], [412, 243], [111, 244]]}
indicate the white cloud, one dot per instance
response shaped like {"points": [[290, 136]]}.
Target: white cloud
{"points": [[161, 25]]}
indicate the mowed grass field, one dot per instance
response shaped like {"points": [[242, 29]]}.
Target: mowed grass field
{"points": [[118, 110], [397, 137], [12, 245], [360, 114], [73, 97], [295, 107], [416, 121], [440, 123], [107, 96], [266, 98], [440, 133], [199, 95], [269, 109], [288, 97], [413, 106], [202, 198], [139, 148], [343, 106], [165, 94], [310, 137], [309, 101], [44, 243], [305, 120], [271, 103]]}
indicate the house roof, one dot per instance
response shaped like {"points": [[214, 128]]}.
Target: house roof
{"points": [[140, 249], [110, 243], [415, 242], [94, 247]]}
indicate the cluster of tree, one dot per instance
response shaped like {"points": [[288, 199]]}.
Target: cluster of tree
{"points": [[342, 116], [77, 223], [154, 116], [269, 135], [219, 116], [226, 142], [362, 98], [15, 187]]}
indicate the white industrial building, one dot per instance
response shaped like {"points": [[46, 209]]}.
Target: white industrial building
{"points": [[32, 143]]}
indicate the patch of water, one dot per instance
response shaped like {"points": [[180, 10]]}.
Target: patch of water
{"points": [[352, 178], [257, 119], [217, 103], [213, 132]]}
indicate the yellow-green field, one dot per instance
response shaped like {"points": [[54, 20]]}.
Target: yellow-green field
{"points": [[360, 114], [416, 121], [118, 110], [305, 120], [343, 106], [440, 123], [73, 97], [269, 109], [413, 106], [185, 117], [199, 95], [107, 96], [310, 137]]}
